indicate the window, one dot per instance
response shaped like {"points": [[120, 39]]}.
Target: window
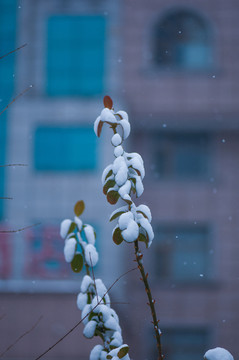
{"points": [[7, 43], [75, 55], [65, 149], [182, 254], [184, 156], [184, 343], [182, 40]]}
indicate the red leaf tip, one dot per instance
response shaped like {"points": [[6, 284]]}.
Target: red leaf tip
{"points": [[108, 102]]}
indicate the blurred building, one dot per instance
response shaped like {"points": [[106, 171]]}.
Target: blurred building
{"points": [[174, 67]]}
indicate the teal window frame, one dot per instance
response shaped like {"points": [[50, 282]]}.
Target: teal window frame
{"points": [[65, 149], [76, 55]]}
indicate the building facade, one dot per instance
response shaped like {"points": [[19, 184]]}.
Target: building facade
{"points": [[173, 67]]}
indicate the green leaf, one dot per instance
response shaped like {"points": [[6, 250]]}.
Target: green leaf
{"points": [[143, 238], [117, 214], [109, 184], [113, 197], [72, 227], [123, 351], [109, 357], [77, 263], [79, 207], [117, 237], [109, 174]]}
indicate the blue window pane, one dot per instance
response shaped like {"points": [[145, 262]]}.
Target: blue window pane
{"points": [[181, 156], [7, 43], [182, 40], [65, 149], [75, 56], [183, 253]]}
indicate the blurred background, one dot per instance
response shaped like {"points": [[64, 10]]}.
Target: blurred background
{"points": [[173, 66]]}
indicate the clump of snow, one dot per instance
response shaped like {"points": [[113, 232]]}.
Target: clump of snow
{"points": [[120, 170], [89, 234], [96, 123], [65, 226], [125, 189], [89, 329], [145, 209], [96, 352], [123, 114], [218, 354], [91, 255], [86, 282], [107, 116], [81, 301], [131, 233], [126, 128], [70, 249], [78, 222], [118, 151], [116, 140]]}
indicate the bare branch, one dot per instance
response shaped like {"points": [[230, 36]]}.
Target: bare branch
{"points": [[18, 230], [13, 165], [19, 48], [22, 93], [20, 337], [79, 322]]}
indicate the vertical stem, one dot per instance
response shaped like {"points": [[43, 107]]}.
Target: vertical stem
{"points": [[151, 302]]}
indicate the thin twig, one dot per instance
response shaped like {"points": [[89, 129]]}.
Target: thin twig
{"points": [[79, 322], [151, 302], [14, 231], [10, 52], [19, 95], [13, 165], [20, 337]]}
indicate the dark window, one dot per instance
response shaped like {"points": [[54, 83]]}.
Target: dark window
{"points": [[182, 253], [182, 40], [65, 149], [75, 55], [184, 156], [185, 343]]}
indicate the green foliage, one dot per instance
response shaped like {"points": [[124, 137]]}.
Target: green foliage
{"points": [[77, 263], [79, 208], [123, 351], [113, 197], [117, 237]]}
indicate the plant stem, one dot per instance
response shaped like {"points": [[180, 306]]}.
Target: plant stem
{"points": [[151, 302]]}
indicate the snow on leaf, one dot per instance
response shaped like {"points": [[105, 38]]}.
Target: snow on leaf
{"points": [[91, 255], [96, 124], [69, 249], [118, 151], [144, 209], [81, 301], [124, 349], [218, 354], [109, 184], [123, 114], [131, 233], [86, 282], [89, 330], [89, 234], [106, 173], [112, 196], [125, 189], [126, 128], [107, 116], [118, 212], [148, 228], [96, 352], [116, 140], [65, 226]]}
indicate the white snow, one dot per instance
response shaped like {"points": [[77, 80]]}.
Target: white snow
{"points": [[81, 301], [116, 140], [118, 151], [86, 282], [120, 170], [89, 329], [139, 187], [145, 209], [78, 222], [107, 115], [122, 208], [126, 128], [125, 189], [124, 220], [96, 123], [65, 226], [70, 249], [101, 289], [123, 114], [85, 311], [91, 255], [218, 354], [137, 163], [132, 232], [90, 234], [95, 352], [111, 324], [105, 173], [148, 228]]}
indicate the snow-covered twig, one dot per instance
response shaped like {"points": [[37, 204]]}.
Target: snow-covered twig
{"points": [[120, 180]]}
